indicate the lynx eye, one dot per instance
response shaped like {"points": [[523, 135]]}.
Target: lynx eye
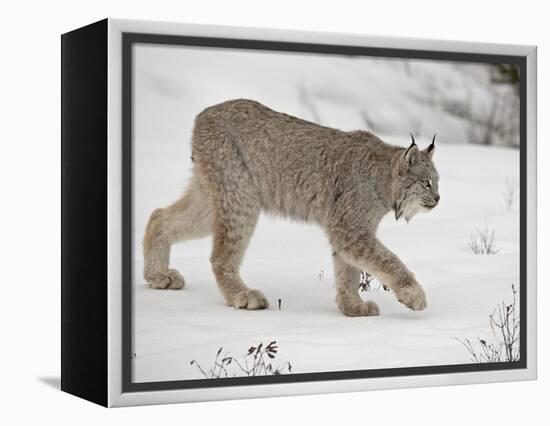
{"points": [[427, 183]]}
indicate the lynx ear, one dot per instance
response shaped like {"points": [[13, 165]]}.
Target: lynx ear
{"points": [[409, 156], [429, 151]]}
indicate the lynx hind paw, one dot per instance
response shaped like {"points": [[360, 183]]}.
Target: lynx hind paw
{"points": [[364, 309], [171, 279], [413, 297], [250, 299]]}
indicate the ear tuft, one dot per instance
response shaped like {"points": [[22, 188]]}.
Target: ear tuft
{"points": [[429, 151], [411, 153]]}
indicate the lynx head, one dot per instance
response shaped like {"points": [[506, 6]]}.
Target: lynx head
{"points": [[417, 181]]}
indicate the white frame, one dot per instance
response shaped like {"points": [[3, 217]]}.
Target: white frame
{"points": [[115, 395]]}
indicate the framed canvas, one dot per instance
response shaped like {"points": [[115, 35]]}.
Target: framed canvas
{"points": [[251, 213]]}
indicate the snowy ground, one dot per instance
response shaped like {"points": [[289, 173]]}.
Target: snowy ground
{"points": [[291, 261]]}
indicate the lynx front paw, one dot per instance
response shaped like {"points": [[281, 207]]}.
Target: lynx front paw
{"points": [[413, 297], [170, 279], [250, 299], [362, 309]]}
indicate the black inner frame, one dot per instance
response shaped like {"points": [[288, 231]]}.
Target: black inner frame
{"points": [[129, 39]]}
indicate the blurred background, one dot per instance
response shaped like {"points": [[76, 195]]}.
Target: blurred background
{"points": [[462, 103]]}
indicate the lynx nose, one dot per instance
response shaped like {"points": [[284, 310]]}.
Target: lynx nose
{"points": [[436, 198]]}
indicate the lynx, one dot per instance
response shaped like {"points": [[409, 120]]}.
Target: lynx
{"points": [[248, 158]]}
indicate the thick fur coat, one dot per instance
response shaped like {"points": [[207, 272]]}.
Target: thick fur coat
{"points": [[248, 158]]}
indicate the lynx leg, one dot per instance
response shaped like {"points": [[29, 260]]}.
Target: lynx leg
{"points": [[235, 222], [347, 296], [190, 217], [368, 253]]}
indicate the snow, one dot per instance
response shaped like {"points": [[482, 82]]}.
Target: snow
{"points": [[285, 260], [291, 261]]}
